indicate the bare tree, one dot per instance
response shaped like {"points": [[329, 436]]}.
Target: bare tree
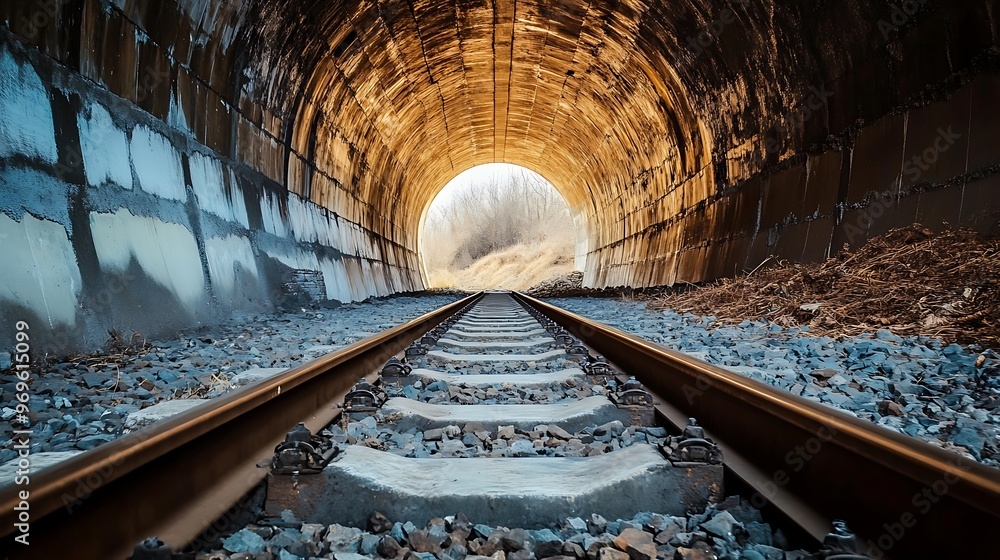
{"points": [[499, 213]]}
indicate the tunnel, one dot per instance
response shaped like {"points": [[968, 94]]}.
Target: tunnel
{"points": [[167, 163]]}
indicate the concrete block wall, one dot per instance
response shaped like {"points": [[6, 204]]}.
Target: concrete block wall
{"points": [[936, 164], [113, 217], [897, 127]]}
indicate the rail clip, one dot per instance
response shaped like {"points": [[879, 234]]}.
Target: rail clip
{"points": [[691, 447], [302, 453]]}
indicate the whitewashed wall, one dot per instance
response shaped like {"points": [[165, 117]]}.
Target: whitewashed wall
{"points": [[110, 218]]}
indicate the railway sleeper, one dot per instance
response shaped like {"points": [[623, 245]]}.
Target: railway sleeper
{"points": [[514, 492]]}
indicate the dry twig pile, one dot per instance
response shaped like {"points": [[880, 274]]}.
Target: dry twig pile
{"points": [[909, 281], [566, 285]]}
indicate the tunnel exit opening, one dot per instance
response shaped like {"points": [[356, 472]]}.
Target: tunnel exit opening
{"points": [[499, 226]]}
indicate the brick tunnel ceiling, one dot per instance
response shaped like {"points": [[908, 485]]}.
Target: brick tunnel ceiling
{"points": [[578, 92], [692, 138]]}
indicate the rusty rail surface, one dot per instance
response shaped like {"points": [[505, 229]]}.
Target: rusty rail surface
{"points": [[903, 498], [176, 477]]}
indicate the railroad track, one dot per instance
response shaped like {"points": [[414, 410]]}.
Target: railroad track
{"points": [[809, 465]]}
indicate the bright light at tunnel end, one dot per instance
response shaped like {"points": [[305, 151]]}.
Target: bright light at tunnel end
{"points": [[480, 175], [474, 190]]}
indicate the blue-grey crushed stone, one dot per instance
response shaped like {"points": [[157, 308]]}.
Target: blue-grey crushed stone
{"points": [[917, 386]]}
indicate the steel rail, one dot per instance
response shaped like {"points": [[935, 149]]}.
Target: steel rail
{"points": [[176, 477], [903, 497]]}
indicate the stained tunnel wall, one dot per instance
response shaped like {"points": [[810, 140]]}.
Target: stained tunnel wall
{"points": [[830, 123], [122, 206], [193, 151]]}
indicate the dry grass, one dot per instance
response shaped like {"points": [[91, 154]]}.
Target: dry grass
{"points": [[909, 281], [506, 232], [118, 351], [217, 383], [515, 268]]}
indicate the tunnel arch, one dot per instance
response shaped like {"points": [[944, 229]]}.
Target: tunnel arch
{"points": [[697, 137], [594, 123]]}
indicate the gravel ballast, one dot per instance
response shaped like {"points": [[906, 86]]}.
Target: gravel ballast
{"points": [[731, 529], [945, 394], [81, 403]]}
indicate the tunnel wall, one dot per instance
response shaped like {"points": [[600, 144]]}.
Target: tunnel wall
{"points": [[694, 138], [135, 198], [935, 164], [882, 115]]}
